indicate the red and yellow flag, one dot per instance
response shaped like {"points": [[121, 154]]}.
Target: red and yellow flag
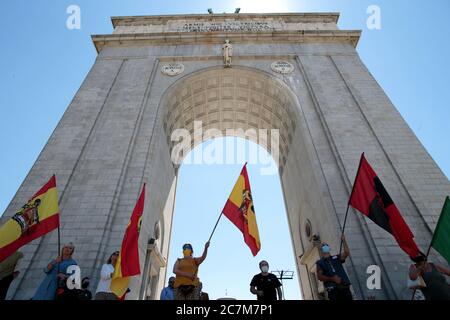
{"points": [[36, 218], [128, 262], [239, 209]]}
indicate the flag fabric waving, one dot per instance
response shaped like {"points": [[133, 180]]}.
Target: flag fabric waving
{"points": [[441, 237], [38, 216], [240, 210], [128, 262], [371, 199]]}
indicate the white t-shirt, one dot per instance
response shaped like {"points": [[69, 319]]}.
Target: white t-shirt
{"points": [[104, 285]]}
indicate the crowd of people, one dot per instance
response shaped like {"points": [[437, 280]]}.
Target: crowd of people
{"points": [[54, 285], [186, 285], [425, 278]]}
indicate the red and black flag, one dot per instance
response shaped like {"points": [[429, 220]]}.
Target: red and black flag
{"points": [[371, 198]]}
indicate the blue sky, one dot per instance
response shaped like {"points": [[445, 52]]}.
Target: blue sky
{"points": [[43, 63], [201, 194]]}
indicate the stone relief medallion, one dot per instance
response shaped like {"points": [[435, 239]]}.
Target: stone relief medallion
{"points": [[282, 67], [172, 69]]}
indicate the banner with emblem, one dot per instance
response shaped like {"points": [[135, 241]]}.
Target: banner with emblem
{"points": [[240, 210], [37, 217], [128, 262], [370, 197]]}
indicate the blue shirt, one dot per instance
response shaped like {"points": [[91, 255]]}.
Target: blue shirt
{"points": [[167, 294], [332, 266], [47, 289]]}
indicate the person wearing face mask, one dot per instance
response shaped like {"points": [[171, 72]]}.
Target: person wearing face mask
{"points": [[266, 285], [331, 272], [187, 284], [167, 292]]}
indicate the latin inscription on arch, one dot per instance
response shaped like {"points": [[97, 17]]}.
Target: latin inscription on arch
{"points": [[230, 26]]}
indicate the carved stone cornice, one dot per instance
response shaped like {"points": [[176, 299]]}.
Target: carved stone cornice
{"points": [[177, 38], [306, 17]]}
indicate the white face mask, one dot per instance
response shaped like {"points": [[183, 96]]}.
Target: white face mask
{"points": [[265, 269]]}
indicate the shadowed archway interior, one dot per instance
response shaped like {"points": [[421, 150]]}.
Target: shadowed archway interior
{"points": [[232, 98]]}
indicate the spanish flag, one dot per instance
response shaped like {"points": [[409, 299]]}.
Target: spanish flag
{"points": [[39, 216], [239, 209], [128, 262]]}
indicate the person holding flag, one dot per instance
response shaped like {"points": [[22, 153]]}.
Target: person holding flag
{"points": [[331, 271], [127, 264], [187, 283], [56, 274], [435, 286]]}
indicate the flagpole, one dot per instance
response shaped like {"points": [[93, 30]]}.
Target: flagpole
{"points": [[348, 204], [59, 233], [220, 216], [59, 248], [343, 227]]}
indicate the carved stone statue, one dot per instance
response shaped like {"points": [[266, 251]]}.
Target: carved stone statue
{"points": [[227, 52]]}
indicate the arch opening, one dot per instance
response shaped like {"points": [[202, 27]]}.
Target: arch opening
{"points": [[235, 102], [205, 105], [202, 191]]}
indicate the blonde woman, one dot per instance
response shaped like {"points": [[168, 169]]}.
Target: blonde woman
{"points": [[55, 271]]}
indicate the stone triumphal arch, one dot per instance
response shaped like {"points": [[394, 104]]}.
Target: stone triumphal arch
{"points": [[297, 73]]}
